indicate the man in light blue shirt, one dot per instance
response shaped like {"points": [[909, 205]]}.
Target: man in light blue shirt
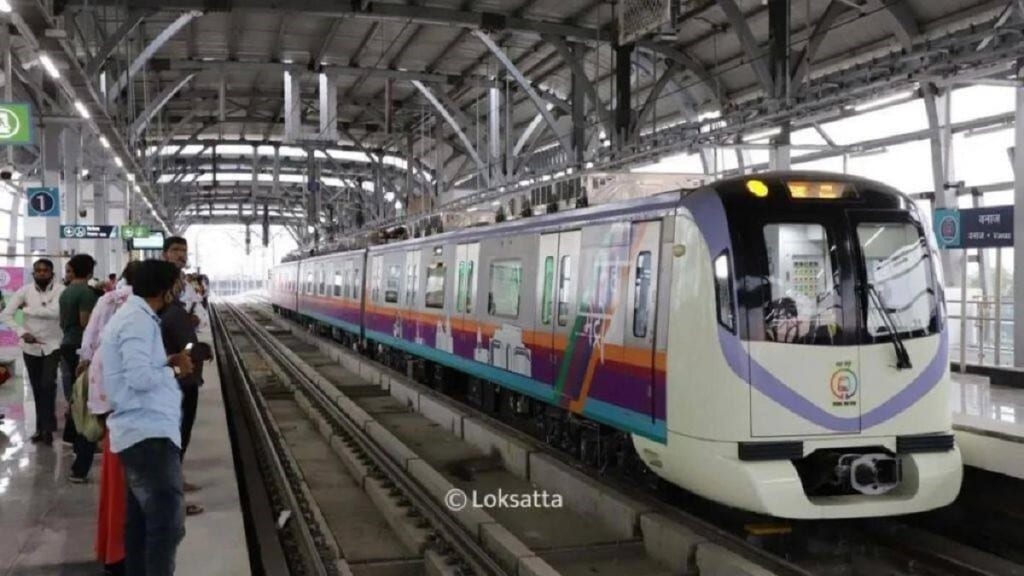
{"points": [[145, 419]]}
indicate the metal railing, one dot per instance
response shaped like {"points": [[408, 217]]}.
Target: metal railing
{"points": [[981, 331]]}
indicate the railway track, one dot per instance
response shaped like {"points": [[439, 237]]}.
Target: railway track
{"points": [[841, 548]]}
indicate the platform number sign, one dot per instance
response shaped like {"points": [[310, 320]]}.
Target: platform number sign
{"points": [[44, 201]]}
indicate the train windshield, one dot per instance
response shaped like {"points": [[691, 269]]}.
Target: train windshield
{"points": [[898, 267], [805, 305]]}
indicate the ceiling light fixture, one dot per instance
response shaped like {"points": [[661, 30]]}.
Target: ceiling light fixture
{"points": [[48, 65], [82, 109]]}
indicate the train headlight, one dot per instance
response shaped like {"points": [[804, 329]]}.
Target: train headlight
{"points": [[757, 188]]}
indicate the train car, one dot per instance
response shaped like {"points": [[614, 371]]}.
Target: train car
{"points": [[775, 343], [331, 289], [284, 287]]}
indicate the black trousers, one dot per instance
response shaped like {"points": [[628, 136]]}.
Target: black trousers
{"points": [[42, 375], [84, 450], [189, 406]]}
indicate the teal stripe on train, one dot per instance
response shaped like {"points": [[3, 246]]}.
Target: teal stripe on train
{"points": [[621, 418]]}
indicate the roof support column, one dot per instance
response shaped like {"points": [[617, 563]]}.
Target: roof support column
{"points": [[51, 177], [328, 108], [1018, 228], [778, 156], [623, 95], [579, 118], [779, 39], [292, 107], [936, 106], [72, 156], [494, 162]]}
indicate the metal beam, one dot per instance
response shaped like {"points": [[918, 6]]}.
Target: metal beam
{"points": [[325, 42], [1018, 224], [370, 10], [454, 124], [901, 20], [157, 104], [538, 101], [575, 64], [653, 95], [804, 58], [133, 19], [151, 49], [757, 58], [676, 54]]}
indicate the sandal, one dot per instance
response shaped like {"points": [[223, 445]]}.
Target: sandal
{"points": [[193, 509]]}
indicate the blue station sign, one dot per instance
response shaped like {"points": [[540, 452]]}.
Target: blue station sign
{"points": [[990, 227]]}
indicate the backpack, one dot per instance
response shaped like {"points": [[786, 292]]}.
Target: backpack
{"points": [[86, 422]]}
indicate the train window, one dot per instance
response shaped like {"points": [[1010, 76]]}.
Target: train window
{"points": [[394, 281], [357, 288], [899, 268], [378, 278], [549, 284], [464, 296], [434, 296], [412, 283], [641, 306], [337, 283], [564, 287], [323, 282], [506, 279], [723, 291], [309, 282], [804, 304]]}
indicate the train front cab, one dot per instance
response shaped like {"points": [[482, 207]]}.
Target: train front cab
{"points": [[808, 370]]}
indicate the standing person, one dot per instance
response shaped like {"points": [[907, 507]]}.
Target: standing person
{"points": [[76, 304], [111, 514], [40, 342], [145, 418], [178, 331], [176, 252]]}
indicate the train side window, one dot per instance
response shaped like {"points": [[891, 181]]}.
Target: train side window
{"points": [[464, 297], [434, 296], [412, 280], [564, 285], [723, 291], [506, 279], [642, 295], [337, 283], [394, 280], [357, 288], [549, 284], [309, 282]]}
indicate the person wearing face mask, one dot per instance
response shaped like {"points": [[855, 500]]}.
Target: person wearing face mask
{"points": [[40, 342], [141, 380]]}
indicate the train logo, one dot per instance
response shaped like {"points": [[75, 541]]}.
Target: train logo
{"points": [[844, 387]]}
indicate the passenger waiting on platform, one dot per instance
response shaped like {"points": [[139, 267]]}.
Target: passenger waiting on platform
{"points": [[40, 342], [178, 331], [140, 379], [76, 304], [110, 525]]}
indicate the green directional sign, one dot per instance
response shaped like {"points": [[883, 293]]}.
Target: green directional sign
{"points": [[135, 231], [15, 123]]}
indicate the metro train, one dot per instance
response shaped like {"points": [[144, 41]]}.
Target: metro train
{"points": [[776, 343]]}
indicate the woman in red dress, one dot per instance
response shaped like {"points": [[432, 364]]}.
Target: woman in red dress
{"points": [[110, 524]]}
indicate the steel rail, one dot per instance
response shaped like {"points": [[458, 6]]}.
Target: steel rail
{"points": [[258, 419], [452, 532]]}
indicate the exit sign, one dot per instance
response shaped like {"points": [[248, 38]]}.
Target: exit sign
{"points": [[134, 231], [15, 123]]}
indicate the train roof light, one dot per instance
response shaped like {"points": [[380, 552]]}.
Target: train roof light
{"points": [[820, 190], [757, 188]]}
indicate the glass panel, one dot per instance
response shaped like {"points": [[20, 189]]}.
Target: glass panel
{"points": [[804, 306], [899, 268], [549, 283], [723, 292], [337, 283], [506, 278], [434, 296], [394, 281], [467, 304], [564, 284], [309, 282], [5, 224], [460, 287], [643, 294], [412, 284]]}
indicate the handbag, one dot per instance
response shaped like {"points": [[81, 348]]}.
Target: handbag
{"points": [[87, 423]]}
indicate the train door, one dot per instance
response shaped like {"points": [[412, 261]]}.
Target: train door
{"points": [[801, 363], [565, 325], [544, 319], [410, 303], [641, 308], [466, 330]]}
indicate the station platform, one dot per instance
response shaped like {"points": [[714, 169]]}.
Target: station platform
{"points": [[49, 525], [989, 424]]}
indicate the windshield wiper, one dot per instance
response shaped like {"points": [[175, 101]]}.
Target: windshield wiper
{"points": [[902, 357]]}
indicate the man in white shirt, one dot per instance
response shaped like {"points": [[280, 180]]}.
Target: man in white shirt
{"points": [[40, 342]]}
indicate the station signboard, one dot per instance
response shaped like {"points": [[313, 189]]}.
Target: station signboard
{"points": [[16, 123], [87, 231], [135, 231], [990, 227], [43, 201]]}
